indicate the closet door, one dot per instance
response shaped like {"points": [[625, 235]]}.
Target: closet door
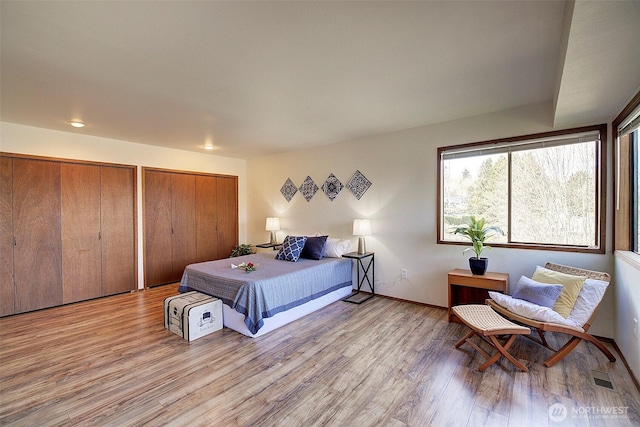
{"points": [[157, 226], [227, 215], [206, 242], [117, 213], [38, 248], [81, 248], [183, 222], [6, 237]]}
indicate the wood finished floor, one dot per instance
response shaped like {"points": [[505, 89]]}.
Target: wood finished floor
{"points": [[383, 363]]}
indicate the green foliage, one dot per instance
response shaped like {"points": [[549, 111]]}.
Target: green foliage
{"points": [[242, 249], [477, 233]]}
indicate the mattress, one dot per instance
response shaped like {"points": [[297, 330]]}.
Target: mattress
{"points": [[275, 286]]}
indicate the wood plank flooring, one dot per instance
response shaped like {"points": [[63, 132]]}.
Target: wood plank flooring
{"points": [[383, 363]]}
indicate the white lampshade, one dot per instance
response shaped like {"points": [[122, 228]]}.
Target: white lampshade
{"points": [[273, 224], [361, 227]]}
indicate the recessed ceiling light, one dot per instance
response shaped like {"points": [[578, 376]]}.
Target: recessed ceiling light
{"points": [[208, 147], [76, 123]]}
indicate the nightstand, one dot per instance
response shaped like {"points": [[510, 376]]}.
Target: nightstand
{"points": [[269, 245], [358, 297], [467, 288]]}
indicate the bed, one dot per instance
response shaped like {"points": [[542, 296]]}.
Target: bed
{"points": [[276, 293]]}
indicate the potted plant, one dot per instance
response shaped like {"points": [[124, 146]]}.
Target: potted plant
{"points": [[476, 231], [242, 249]]}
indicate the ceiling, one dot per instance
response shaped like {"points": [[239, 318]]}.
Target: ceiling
{"points": [[259, 78]]}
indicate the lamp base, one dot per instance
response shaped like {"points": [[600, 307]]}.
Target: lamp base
{"points": [[362, 249], [273, 238]]}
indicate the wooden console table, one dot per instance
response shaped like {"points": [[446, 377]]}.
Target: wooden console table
{"points": [[467, 288]]}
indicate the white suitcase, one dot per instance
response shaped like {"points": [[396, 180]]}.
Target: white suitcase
{"points": [[192, 315]]}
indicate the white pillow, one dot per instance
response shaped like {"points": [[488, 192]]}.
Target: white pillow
{"points": [[529, 310], [588, 299], [335, 248]]}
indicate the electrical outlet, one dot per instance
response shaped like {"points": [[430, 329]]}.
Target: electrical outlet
{"points": [[635, 328], [403, 273]]}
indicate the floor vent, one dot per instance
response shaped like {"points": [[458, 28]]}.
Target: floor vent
{"points": [[602, 379]]}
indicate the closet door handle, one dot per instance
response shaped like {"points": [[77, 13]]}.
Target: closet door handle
{"points": [[99, 235], [15, 242]]}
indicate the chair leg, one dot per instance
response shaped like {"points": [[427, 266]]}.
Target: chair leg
{"points": [[463, 340], [571, 344], [502, 351]]}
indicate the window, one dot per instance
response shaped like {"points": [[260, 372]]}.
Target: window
{"points": [[545, 191], [627, 170], [635, 194]]}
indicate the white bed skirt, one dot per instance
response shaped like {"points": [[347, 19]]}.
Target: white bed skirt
{"points": [[234, 320]]}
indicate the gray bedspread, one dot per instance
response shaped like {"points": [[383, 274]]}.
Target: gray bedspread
{"points": [[273, 287]]}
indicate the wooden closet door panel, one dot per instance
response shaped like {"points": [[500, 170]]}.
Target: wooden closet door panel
{"points": [[157, 228], [7, 289], [206, 242], [118, 230], [81, 248], [183, 217], [227, 215], [36, 220]]}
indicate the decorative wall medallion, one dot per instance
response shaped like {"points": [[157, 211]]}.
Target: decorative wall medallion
{"points": [[332, 186], [288, 189], [308, 188], [358, 184]]}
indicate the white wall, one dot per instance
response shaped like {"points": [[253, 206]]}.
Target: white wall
{"points": [[627, 303], [67, 145], [401, 204]]}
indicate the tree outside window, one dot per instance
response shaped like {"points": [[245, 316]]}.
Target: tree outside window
{"points": [[543, 190]]}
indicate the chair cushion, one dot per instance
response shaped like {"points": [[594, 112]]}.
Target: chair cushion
{"points": [[571, 287], [537, 293], [528, 309]]}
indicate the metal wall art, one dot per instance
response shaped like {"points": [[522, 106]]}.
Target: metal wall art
{"points": [[288, 189], [332, 186], [358, 184], [308, 188]]}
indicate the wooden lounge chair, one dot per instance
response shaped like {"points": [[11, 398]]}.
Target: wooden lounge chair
{"points": [[576, 334]]}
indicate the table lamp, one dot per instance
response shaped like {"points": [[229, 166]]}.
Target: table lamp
{"points": [[273, 225], [361, 228]]}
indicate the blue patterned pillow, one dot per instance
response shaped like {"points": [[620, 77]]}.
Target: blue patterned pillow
{"points": [[291, 248]]}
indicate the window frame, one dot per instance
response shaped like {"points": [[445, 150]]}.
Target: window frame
{"points": [[623, 239], [600, 184]]}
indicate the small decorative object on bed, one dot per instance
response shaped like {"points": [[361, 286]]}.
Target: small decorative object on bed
{"points": [[476, 231], [358, 184], [247, 267], [288, 189]]}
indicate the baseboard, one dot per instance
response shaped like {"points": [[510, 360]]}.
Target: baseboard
{"points": [[621, 356]]}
